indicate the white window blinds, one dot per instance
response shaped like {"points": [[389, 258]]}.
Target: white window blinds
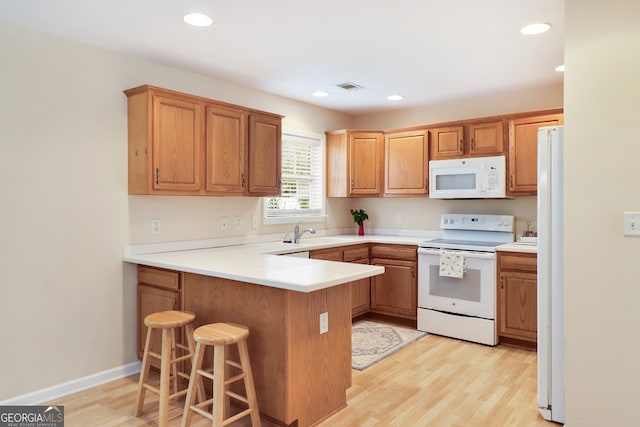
{"points": [[301, 178]]}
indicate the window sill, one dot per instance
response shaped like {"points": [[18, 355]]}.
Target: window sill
{"points": [[293, 219]]}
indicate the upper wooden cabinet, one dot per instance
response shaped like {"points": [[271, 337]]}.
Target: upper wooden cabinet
{"points": [[486, 139], [184, 144], [468, 139], [354, 163], [447, 142], [406, 163], [226, 133], [265, 155], [523, 152]]}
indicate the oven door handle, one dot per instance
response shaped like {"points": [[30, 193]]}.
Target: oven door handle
{"points": [[467, 254]]}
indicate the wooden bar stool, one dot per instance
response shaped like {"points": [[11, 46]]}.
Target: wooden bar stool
{"points": [[221, 335], [168, 322]]}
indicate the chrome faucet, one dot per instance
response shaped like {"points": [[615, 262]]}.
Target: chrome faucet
{"points": [[297, 234]]}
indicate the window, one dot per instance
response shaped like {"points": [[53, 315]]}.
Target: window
{"points": [[302, 196]]}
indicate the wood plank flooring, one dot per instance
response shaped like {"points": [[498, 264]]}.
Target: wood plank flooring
{"points": [[436, 381]]}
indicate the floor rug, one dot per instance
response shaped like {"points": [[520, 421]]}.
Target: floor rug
{"points": [[373, 341]]}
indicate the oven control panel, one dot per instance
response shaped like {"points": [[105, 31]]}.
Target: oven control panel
{"points": [[478, 222]]}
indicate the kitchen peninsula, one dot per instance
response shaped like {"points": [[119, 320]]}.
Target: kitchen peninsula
{"points": [[300, 373]]}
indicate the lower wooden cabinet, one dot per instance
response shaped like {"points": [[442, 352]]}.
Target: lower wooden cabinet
{"points": [[158, 290], [517, 296], [395, 293]]}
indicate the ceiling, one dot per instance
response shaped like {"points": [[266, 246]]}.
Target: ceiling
{"points": [[428, 51]]}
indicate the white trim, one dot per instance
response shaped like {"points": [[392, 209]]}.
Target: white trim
{"points": [[63, 389]]}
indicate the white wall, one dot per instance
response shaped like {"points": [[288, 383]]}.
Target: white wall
{"points": [[69, 302], [602, 288]]}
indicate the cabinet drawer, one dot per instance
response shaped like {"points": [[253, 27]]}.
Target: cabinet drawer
{"points": [[405, 252], [520, 262], [356, 253], [162, 278], [329, 254]]}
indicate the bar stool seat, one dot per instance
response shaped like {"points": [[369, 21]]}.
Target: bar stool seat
{"points": [[167, 322], [220, 335]]}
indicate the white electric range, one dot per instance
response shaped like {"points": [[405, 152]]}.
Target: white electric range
{"points": [[457, 277]]}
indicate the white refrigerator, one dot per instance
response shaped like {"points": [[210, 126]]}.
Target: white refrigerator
{"points": [[550, 274]]}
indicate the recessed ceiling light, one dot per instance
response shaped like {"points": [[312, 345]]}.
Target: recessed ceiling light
{"points": [[320, 93], [535, 29], [395, 97], [197, 19], [560, 68]]}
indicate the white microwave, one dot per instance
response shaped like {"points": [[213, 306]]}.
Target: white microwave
{"points": [[468, 178]]}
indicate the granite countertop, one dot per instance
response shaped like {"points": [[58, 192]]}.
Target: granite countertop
{"points": [[258, 262]]}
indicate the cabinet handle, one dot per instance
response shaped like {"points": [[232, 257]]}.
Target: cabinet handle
{"points": [[242, 180], [175, 303], [157, 173], [413, 272], [460, 145], [352, 183], [511, 181], [502, 283], [473, 144], [426, 184]]}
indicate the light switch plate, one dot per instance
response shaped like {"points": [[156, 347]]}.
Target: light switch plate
{"points": [[155, 226], [632, 223]]}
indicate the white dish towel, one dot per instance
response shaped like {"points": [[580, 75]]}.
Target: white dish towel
{"points": [[452, 264]]}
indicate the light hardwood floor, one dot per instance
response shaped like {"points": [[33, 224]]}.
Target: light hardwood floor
{"points": [[436, 381]]}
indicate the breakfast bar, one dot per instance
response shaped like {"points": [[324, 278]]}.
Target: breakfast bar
{"points": [[298, 312]]}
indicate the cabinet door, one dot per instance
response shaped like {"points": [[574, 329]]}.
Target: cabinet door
{"points": [[523, 152], [395, 292], [151, 300], [225, 142], [365, 163], [486, 139], [406, 169], [518, 306], [176, 144], [447, 143], [265, 151]]}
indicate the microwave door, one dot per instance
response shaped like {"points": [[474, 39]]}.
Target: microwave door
{"points": [[452, 182]]}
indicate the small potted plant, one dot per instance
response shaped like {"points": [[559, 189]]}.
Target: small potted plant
{"points": [[358, 217]]}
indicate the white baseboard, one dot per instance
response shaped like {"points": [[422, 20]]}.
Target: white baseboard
{"points": [[54, 392]]}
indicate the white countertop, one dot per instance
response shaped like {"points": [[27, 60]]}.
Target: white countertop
{"points": [[518, 247], [258, 262]]}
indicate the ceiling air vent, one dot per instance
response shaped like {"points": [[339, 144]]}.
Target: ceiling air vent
{"points": [[350, 86]]}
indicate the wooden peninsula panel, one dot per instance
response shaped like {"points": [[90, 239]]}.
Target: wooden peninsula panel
{"points": [[299, 373]]}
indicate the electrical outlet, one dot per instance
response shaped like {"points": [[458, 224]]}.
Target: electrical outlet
{"points": [[224, 223], [238, 222], [632, 223], [155, 226], [254, 222], [399, 219], [324, 322]]}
